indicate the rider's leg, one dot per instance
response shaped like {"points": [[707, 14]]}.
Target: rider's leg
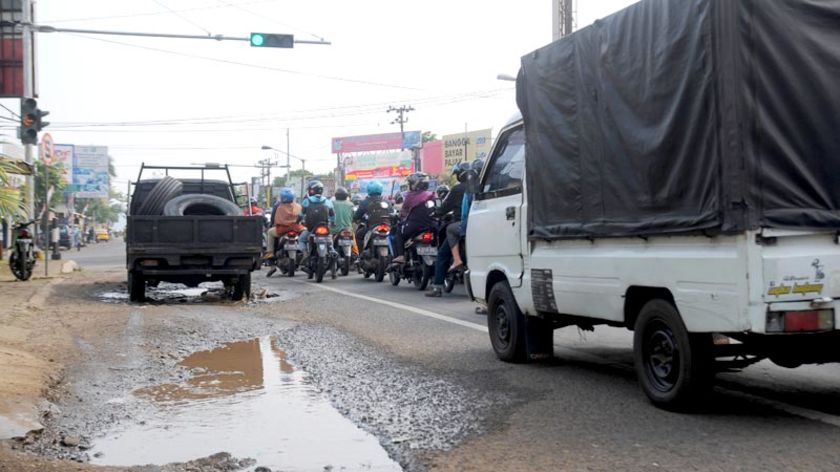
{"points": [[453, 238], [271, 236]]}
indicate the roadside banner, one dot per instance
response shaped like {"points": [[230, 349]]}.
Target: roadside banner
{"points": [[90, 173], [465, 147], [377, 142], [381, 164], [65, 154], [46, 150]]}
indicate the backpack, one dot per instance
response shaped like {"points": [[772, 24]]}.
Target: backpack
{"points": [[316, 213], [377, 214]]}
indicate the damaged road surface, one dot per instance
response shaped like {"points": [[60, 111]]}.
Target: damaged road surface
{"points": [[354, 375]]}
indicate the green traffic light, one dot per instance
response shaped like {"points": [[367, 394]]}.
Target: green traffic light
{"points": [[257, 39]]}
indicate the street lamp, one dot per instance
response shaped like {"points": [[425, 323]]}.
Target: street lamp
{"points": [[506, 77], [266, 147]]}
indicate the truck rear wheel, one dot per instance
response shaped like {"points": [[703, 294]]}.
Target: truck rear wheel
{"points": [[136, 286], [506, 324], [675, 368], [241, 288]]}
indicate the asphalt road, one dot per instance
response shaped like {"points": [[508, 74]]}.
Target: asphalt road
{"points": [[583, 410], [109, 254]]}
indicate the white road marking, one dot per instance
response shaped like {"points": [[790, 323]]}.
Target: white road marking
{"points": [[806, 413], [401, 306]]}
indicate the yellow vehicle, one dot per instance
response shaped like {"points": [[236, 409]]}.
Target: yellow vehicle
{"points": [[102, 235]]}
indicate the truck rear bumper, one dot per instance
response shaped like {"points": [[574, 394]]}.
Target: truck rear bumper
{"points": [[200, 272]]}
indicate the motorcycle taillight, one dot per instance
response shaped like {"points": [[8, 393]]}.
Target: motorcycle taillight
{"points": [[383, 228], [25, 234], [292, 234], [427, 237], [345, 233]]}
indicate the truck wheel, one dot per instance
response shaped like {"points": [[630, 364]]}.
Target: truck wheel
{"points": [[675, 368], [506, 324], [136, 287], [241, 288], [200, 204]]}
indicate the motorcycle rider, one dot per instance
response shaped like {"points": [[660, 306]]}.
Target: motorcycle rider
{"points": [[343, 211], [253, 208], [371, 212], [458, 203], [442, 191], [316, 209], [413, 216], [450, 212], [284, 215]]}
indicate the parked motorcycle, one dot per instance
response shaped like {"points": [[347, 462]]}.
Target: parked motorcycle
{"points": [[419, 266], [322, 257], [22, 259], [287, 254], [375, 256], [344, 248]]}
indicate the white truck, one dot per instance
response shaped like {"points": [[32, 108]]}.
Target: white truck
{"points": [[675, 170]]}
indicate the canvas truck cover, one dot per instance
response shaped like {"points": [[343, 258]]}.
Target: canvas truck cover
{"points": [[676, 116]]}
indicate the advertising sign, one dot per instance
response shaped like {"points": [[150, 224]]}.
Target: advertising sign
{"points": [[377, 142], [465, 147], [381, 164], [46, 150], [65, 154], [391, 186], [90, 173]]}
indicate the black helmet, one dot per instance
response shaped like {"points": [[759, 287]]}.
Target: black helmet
{"points": [[418, 181], [341, 193], [315, 187], [398, 198], [356, 199], [442, 191], [459, 169]]}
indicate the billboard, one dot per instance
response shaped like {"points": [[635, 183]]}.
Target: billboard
{"points": [[377, 142], [380, 164], [65, 154], [464, 147], [90, 172], [391, 186]]}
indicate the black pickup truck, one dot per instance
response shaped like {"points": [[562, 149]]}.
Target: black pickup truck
{"points": [[189, 231]]}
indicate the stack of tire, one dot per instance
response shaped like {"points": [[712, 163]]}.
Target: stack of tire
{"points": [[165, 199]]}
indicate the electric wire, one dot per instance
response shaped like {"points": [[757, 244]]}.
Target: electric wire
{"points": [[10, 111], [183, 17], [265, 18], [154, 13], [253, 66]]}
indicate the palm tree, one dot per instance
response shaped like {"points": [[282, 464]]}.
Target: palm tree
{"points": [[11, 201]]}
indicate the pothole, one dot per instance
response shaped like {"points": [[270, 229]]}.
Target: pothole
{"points": [[247, 399]]}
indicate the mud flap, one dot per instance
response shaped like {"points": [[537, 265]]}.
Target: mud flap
{"points": [[539, 338]]}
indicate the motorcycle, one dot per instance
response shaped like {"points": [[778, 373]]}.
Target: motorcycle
{"points": [[22, 260], [322, 257], [419, 266], [456, 276], [287, 254], [344, 248], [375, 256]]}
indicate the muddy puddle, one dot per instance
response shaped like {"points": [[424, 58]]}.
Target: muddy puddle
{"points": [[244, 398]]}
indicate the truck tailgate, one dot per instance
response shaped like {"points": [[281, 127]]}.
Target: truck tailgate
{"points": [[799, 266], [239, 232]]}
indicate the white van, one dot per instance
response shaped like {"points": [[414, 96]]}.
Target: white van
{"points": [[691, 299]]}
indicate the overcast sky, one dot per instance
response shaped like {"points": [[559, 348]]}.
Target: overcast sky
{"points": [[187, 101]]}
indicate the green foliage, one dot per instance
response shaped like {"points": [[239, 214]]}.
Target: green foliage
{"points": [[280, 181], [54, 174], [11, 199]]}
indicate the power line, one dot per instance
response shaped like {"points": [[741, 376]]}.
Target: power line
{"points": [[263, 17], [10, 111], [183, 17], [254, 66], [154, 13]]}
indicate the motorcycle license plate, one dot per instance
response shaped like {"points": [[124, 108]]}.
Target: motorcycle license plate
{"points": [[322, 240], [380, 242], [426, 250], [291, 247], [21, 240], [345, 242]]}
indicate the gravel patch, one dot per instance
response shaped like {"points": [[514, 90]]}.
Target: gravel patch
{"points": [[409, 408]]}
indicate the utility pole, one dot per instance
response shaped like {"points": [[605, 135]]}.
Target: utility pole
{"points": [[563, 18], [28, 92], [402, 119]]}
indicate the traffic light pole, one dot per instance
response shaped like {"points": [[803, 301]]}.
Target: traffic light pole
{"points": [[214, 37]]}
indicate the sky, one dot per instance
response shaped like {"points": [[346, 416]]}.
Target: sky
{"points": [[177, 101]]}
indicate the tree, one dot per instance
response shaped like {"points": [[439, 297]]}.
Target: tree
{"points": [[54, 175], [280, 181], [11, 199], [429, 136]]}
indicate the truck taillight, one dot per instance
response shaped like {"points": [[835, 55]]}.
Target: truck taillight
{"points": [[800, 321]]}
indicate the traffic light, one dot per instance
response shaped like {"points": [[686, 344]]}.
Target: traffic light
{"points": [[31, 121], [267, 40]]}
